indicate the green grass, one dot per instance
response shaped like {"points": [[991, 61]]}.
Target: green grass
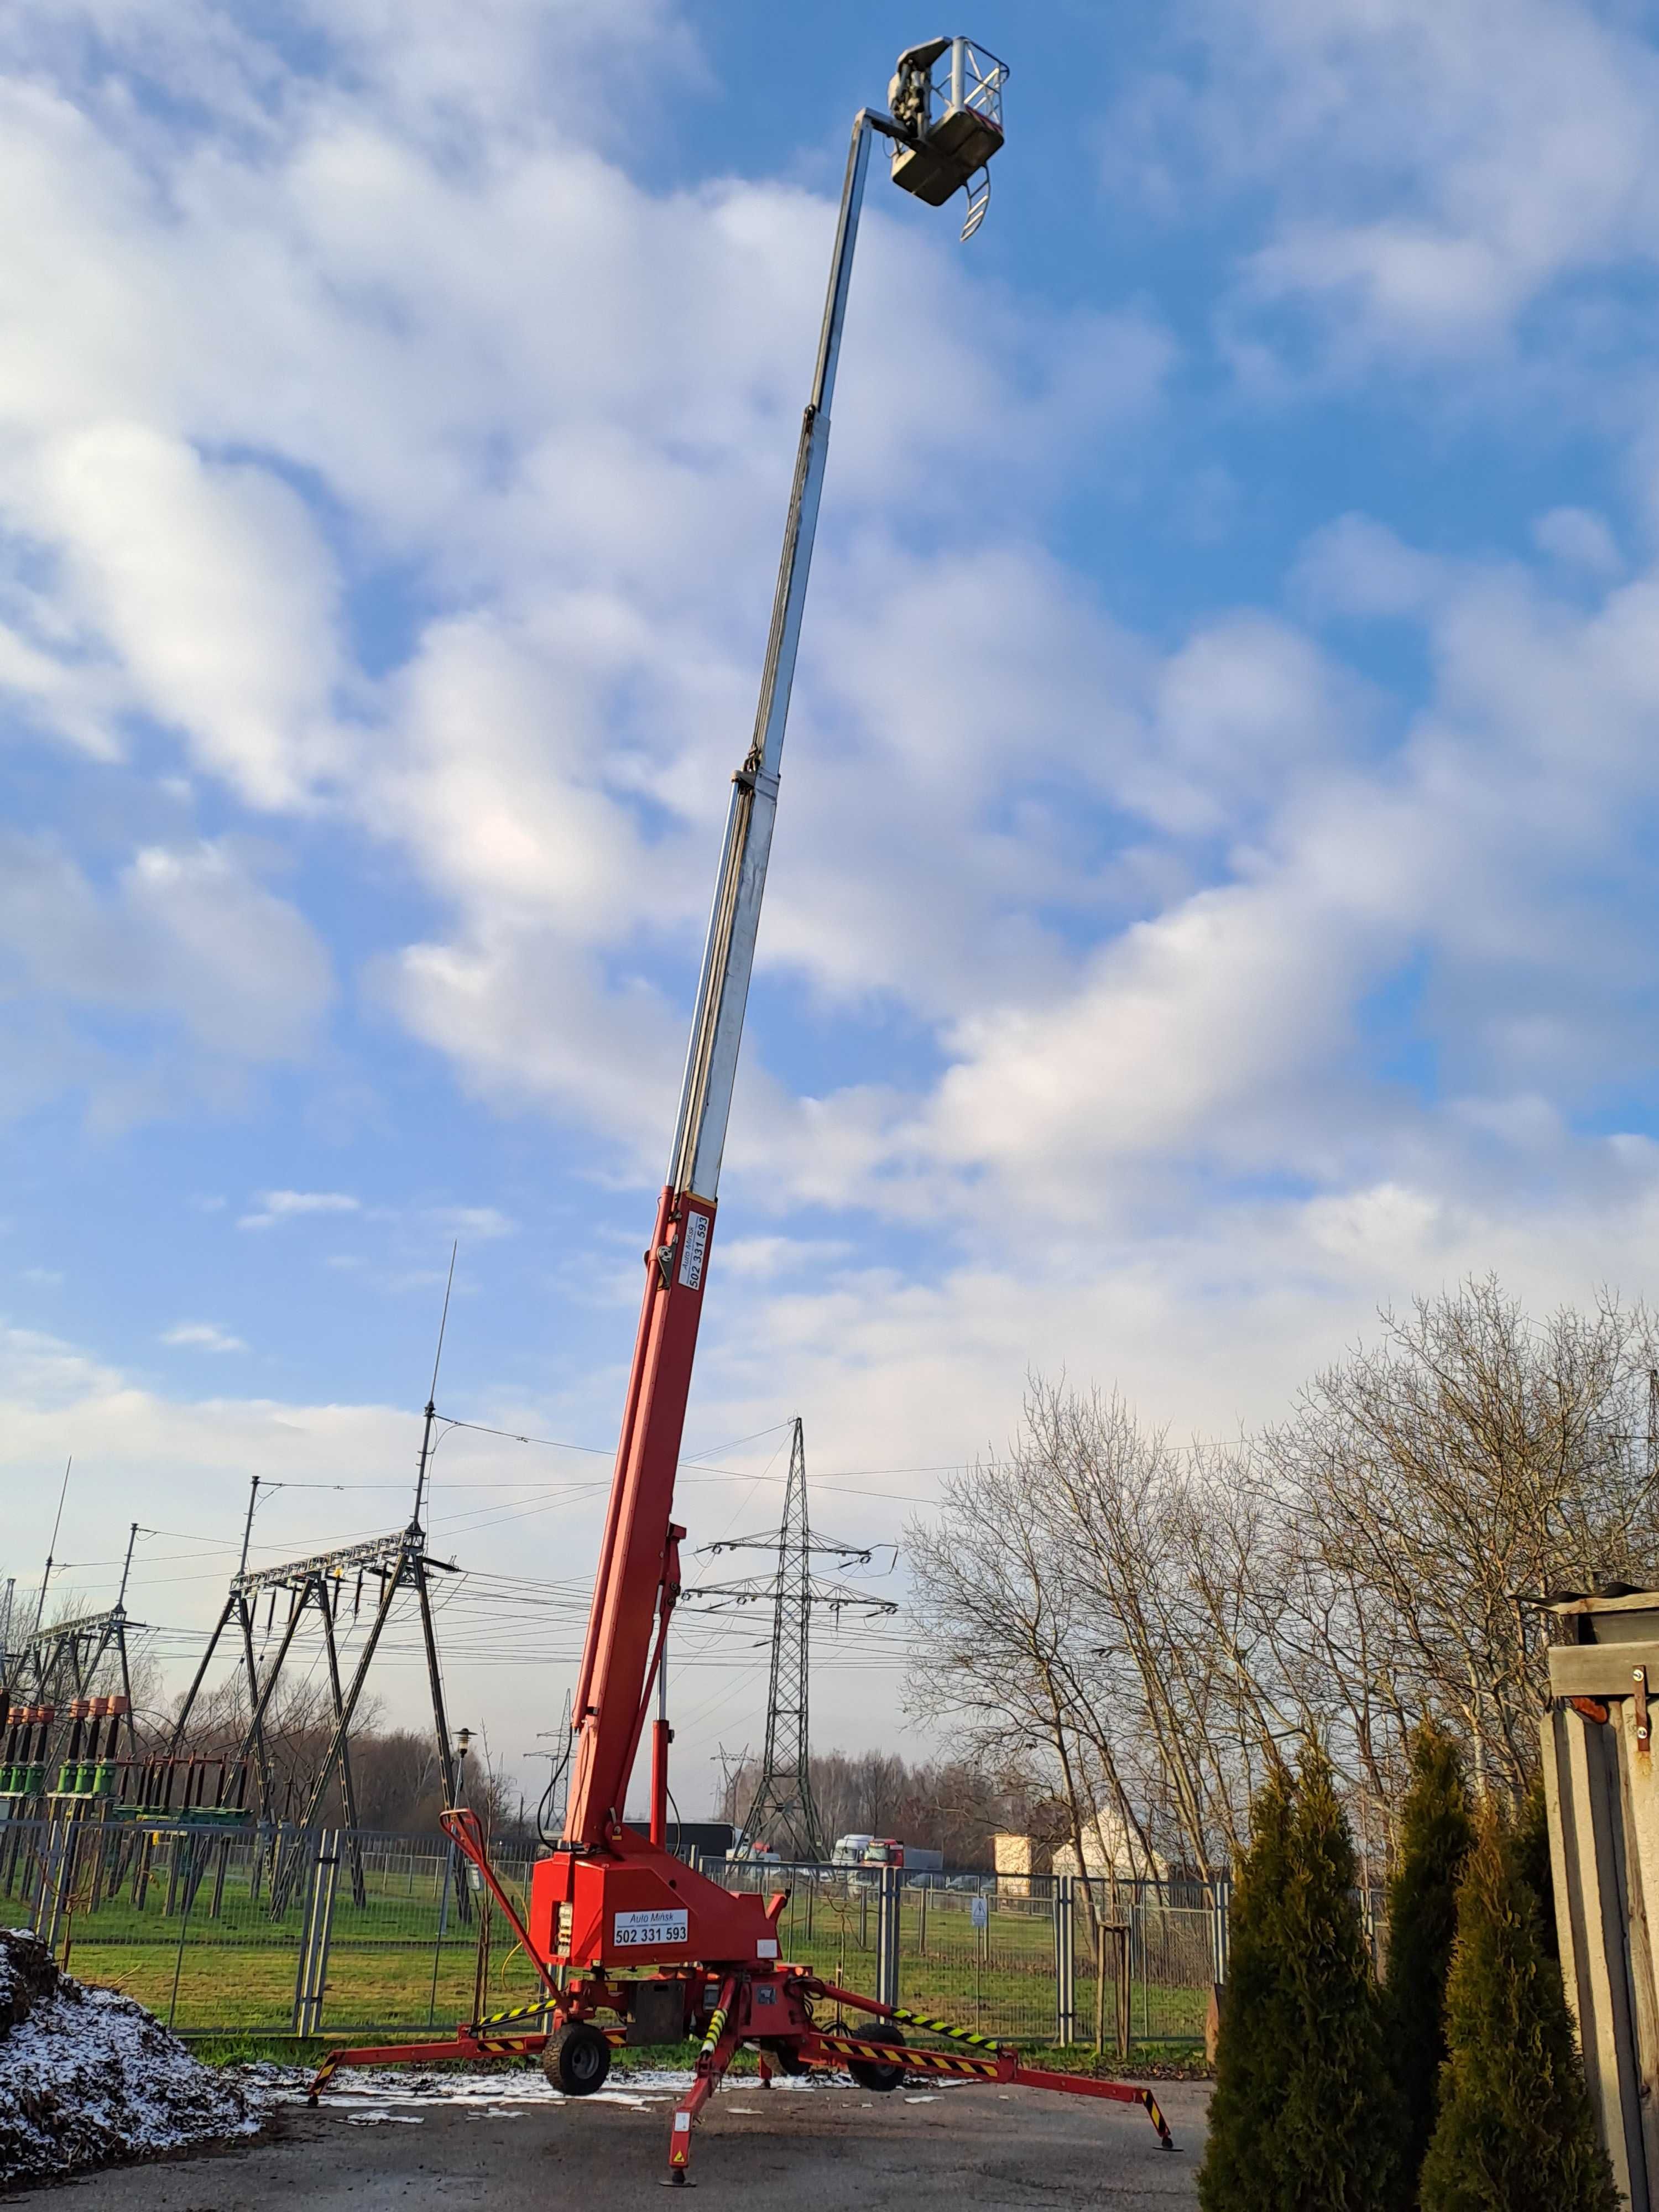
{"points": [[235, 1971], [391, 1984], [251, 1987]]}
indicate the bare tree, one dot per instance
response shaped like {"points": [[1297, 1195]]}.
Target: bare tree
{"points": [[997, 1624], [1143, 1626], [1471, 1459]]}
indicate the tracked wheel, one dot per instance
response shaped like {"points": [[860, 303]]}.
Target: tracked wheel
{"points": [[577, 2059], [871, 2072]]}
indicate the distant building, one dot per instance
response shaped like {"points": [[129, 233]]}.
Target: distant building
{"points": [[1109, 1849], [1015, 1861]]}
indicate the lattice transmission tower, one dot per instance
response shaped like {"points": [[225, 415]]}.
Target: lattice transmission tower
{"points": [[783, 1813]]}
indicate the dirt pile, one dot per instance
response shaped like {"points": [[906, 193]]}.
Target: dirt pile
{"points": [[89, 2078]]}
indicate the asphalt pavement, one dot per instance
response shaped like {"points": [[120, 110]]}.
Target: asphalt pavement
{"points": [[828, 2149]]}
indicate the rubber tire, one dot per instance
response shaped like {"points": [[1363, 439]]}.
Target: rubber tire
{"points": [[868, 2072], [577, 2058], [787, 2059]]}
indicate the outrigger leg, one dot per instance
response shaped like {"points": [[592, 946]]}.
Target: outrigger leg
{"points": [[993, 2061], [718, 2046]]}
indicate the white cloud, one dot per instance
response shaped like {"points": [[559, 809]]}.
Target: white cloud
{"points": [[478, 1225], [202, 1336], [1431, 170], [210, 583], [274, 1205], [186, 938], [524, 1021], [767, 1259], [1579, 540], [251, 396]]}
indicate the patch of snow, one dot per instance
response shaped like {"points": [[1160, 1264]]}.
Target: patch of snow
{"points": [[488, 2093], [90, 2078]]}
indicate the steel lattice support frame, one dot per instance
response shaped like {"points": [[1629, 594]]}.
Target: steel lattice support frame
{"points": [[784, 1814], [784, 1810], [399, 1562], [56, 1665]]}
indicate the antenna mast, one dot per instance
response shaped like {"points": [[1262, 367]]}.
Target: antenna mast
{"points": [[431, 1395], [126, 1569], [41, 1608]]}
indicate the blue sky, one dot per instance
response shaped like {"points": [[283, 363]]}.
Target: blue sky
{"points": [[1211, 895]]}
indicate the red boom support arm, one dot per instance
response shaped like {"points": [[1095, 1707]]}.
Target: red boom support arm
{"points": [[634, 1556]]}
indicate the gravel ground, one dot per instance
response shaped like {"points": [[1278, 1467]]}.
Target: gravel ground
{"points": [[445, 2148]]}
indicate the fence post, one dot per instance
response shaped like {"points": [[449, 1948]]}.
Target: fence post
{"points": [[1221, 1896], [58, 1880], [887, 1937], [190, 1844], [1065, 1903], [310, 1977], [1125, 1985]]}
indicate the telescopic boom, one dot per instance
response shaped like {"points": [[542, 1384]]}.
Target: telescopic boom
{"points": [[638, 1574], [611, 1690]]}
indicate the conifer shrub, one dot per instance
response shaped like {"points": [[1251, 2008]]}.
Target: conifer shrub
{"points": [[1436, 1833], [1515, 2132], [1257, 2017], [1301, 2120], [1339, 2138]]}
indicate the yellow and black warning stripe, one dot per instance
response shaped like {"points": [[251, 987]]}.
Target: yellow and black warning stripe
{"points": [[944, 2027], [716, 2029], [883, 2054], [947, 2061], [912, 2061], [1157, 2118], [516, 2012]]}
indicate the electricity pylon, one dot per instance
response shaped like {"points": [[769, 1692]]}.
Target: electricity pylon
{"points": [[783, 1813]]}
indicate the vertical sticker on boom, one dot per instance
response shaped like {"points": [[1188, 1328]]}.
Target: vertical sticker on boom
{"points": [[694, 1243]]}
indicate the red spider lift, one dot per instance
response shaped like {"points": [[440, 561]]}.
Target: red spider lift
{"points": [[617, 1926]]}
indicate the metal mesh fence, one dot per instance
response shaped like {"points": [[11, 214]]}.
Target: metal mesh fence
{"points": [[985, 1957], [225, 1931], [1014, 1956], [1171, 1973], [832, 1921], [181, 1919], [404, 1946]]}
